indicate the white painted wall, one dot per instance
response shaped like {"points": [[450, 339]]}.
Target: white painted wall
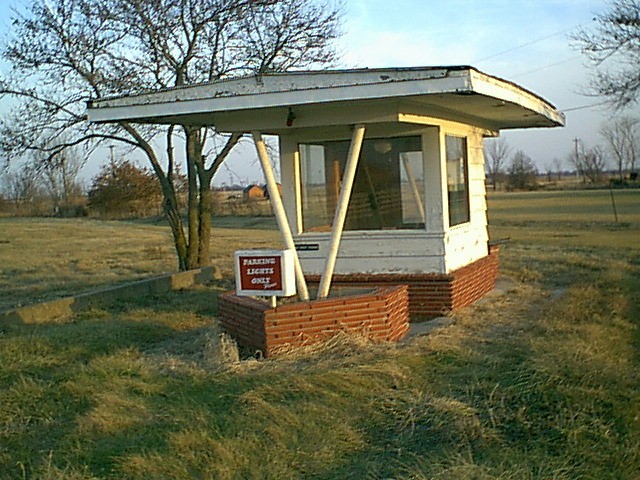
{"points": [[400, 251]]}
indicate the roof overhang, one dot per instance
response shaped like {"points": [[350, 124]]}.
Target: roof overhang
{"points": [[337, 97]]}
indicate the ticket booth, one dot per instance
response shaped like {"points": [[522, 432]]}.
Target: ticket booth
{"points": [[383, 179]]}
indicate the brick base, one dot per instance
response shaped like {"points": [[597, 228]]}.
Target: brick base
{"points": [[430, 294], [381, 314]]}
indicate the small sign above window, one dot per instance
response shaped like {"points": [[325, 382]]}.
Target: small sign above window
{"points": [[307, 247]]}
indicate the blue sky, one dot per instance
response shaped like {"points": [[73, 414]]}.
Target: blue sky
{"points": [[525, 41]]}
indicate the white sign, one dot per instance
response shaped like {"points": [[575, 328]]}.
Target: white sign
{"points": [[268, 273]]}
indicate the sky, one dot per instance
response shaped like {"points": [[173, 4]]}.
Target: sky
{"points": [[524, 41]]}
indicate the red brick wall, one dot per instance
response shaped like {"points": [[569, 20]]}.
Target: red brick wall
{"points": [[474, 281], [382, 314], [431, 294], [243, 319]]}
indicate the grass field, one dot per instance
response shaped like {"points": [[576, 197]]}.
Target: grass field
{"points": [[44, 259], [568, 217], [542, 382]]}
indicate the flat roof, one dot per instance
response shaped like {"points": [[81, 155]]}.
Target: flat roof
{"points": [[460, 93]]}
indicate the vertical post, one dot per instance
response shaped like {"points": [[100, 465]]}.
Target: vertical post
{"points": [[576, 141], [278, 208], [297, 180], [613, 202], [341, 210], [435, 180]]}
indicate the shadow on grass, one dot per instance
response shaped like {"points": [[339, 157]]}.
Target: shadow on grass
{"points": [[554, 396], [442, 421]]}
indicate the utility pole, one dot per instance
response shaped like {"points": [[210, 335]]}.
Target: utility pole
{"points": [[576, 142], [113, 160]]}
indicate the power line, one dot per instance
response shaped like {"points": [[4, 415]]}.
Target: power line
{"points": [[532, 42], [544, 67], [584, 107]]}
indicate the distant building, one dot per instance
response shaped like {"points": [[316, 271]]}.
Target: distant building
{"points": [[253, 192]]}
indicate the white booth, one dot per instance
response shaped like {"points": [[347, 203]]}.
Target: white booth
{"points": [[382, 169]]}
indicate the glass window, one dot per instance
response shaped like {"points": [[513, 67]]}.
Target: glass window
{"points": [[457, 179], [388, 190], [315, 198]]}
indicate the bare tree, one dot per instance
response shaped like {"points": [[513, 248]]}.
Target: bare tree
{"points": [[576, 158], [622, 139], [66, 52], [24, 187], [61, 174], [594, 163], [522, 173], [557, 166], [613, 47], [548, 170], [496, 152]]}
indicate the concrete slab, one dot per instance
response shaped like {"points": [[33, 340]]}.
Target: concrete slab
{"points": [[418, 329], [63, 307]]}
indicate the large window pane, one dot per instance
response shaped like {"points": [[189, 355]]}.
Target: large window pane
{"points": [[314, 191], [388, 189], [457, 179]]}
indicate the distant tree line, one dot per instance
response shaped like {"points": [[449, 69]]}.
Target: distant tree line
{"points": [[615, 161], [120, 190], [44, 188]]}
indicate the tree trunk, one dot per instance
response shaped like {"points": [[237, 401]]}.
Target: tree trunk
{"points": [[170, 200], [205, 214], [199, 210], [192, 201], [172, 213]]}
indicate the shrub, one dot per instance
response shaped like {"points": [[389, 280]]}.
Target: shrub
{"points": [[522, 173], [123, 190]]}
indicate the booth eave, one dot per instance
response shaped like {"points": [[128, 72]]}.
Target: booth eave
{"points": [[461, 91]]}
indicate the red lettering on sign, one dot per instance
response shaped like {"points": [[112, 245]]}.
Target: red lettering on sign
{"points": [[260, 274]]}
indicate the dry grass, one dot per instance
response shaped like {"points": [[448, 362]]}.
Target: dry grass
{"points": [[541, 382], [572, 207]]}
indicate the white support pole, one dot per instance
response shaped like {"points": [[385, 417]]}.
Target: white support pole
{"points": [[281, 216], [341, 210], [414, 187]]}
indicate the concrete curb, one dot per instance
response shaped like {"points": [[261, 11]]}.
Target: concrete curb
{"points": [[63, 307]]}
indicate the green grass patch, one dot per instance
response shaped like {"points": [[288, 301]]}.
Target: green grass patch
{"points": [[571, 206]]}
